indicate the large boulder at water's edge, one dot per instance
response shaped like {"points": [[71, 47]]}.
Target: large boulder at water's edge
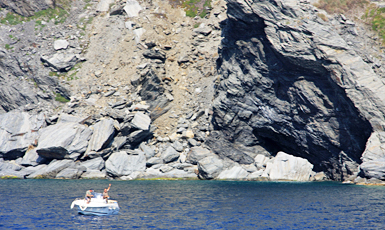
{"points": [[373, 158], [288, 167], [121, 164], [52, 169], [235, 172], [70, 173], [94, 174], [210, 167], [93, 164]]}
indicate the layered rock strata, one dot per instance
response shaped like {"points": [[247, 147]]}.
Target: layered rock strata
{"points": [[290, 82]]}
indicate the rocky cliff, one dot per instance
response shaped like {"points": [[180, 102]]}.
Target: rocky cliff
{"points": [[290, 82], [258, 90]]}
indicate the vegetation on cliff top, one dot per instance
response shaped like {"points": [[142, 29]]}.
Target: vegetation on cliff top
{"points": [[376, 17], [193, 7]]}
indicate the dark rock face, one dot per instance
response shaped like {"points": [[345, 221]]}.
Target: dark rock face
{"points": [[152, 91], [284, 87]]}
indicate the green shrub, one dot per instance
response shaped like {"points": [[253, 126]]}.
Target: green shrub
{"points": [[193, 7], [203, 13], [375, 17], [52, 74], [8, 47], [59, 15], [12, 19], [60, 98]]}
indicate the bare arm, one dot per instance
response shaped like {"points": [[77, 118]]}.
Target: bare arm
{"points": [[109, 186]]}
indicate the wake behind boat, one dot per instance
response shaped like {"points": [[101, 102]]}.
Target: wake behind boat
{"points": [[97, 205]]}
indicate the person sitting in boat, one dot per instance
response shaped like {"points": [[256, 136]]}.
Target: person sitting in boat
{"points": [[89, 195], [105, 192]]}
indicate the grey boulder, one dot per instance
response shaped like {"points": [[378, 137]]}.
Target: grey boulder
{"points": [[31, 158], [103, 133], [141, 121], [52, 169], [288, 167], [60, 44], [63, 140], [196, 154], [202, 29], [93, 164], [210, 167], [153, 161], [375, 147], [18, 131], [373, 169], [169, 155], [61, 62], [154, 54], [148, 151], [121, 164], [94, 174], [69, 173], [236, 173]]}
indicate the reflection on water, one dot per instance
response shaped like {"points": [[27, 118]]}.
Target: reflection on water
{"points": [[30, 204]]}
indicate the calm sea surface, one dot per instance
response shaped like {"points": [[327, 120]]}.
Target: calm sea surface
{"points": [[45, 204]]}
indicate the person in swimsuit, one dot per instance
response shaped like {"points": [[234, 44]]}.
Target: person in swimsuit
{"points": [[105, 192]]}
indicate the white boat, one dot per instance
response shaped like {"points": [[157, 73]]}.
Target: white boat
{"points": [[97, 206]]}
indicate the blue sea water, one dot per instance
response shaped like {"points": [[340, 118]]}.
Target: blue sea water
{"points": [[45, 204]]}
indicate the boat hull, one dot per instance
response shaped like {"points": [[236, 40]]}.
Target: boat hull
{"points": [[96, 207], [98, 211]]}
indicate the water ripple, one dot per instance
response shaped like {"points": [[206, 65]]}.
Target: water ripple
{"points": [[44, 204]]}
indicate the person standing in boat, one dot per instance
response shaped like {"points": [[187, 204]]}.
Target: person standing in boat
{"points": [[89, 195], [105, 192]]}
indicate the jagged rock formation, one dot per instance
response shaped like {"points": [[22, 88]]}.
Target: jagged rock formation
{"points": [[290, 82]]}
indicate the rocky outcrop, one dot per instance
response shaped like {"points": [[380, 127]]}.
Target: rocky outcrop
{"points": [[295, 86]]}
